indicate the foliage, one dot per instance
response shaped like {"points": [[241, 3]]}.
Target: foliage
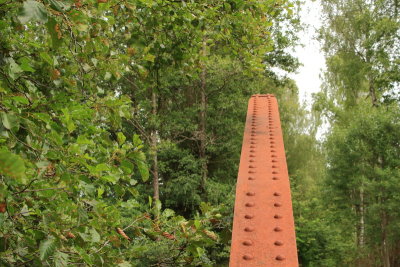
{"points": [[364, 158], [360, 41], [76, 113]]}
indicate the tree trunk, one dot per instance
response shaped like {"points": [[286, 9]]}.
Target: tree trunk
{"points": [[202, 126], [153, 147], [372, 94], [362, 219], [385, 245]]}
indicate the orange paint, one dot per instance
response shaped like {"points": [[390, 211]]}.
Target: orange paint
{"points": [[263, 226]]}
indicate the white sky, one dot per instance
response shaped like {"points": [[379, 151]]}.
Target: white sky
{"points": [[310, 55]]}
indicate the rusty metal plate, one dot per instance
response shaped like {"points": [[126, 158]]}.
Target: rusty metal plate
{"points": [[263, 226]]}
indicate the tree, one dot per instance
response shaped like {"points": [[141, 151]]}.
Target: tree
{"points": [[361, 45], [364, 157], [82, 83]]}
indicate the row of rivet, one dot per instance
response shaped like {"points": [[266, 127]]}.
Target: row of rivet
{"points": [[251, 178], [274, 172]]}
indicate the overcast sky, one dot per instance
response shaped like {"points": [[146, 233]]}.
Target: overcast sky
{"points": [[308, 76]]}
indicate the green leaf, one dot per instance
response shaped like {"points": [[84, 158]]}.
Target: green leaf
{"points": [[47, 58], [43, 117], [140, 160], [60, 259], [60, 6], [95, 237], [90, 236], [197, 224], [100, 192], [127, 166], [21, 99], [10, 121], [107, 76], [110, 178], [71, 126], [102, 167], [136, 140], [25, 64], [121, 138], [47, 248], [149, 57], [168, 213], [13, 69], [124, 264], [11, 165], [51, 28], [32, 10], [200, 251]]}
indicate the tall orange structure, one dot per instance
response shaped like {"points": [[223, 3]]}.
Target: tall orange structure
{"points": [[263, 226]]}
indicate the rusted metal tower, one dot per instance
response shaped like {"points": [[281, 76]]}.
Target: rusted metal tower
{"points": [[263, 226]]}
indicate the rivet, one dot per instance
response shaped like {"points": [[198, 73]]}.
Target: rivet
{"points": [[248, 229], [274, 172], [277, 229], [274, 160], [276, 216], [279, 258], [273, 156], [252, 146], [247, 216], [278, 243], [272, 146], [253, 143], [250, 204], [250, 194], [252, 171], [252, 166], [274, 166], [253, 138], [252, 151], [247, 257], [275, 178], [272, 142], [253, 128], [251, 178], [252, 160], [277, 194], [253, 134], [252, 156], [273, 150], [248, 243], [277, 205]]}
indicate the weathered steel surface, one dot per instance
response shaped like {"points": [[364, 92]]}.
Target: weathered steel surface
{"points": [[263, 226]]}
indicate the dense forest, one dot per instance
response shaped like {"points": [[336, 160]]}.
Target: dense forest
{"points": [[122, 122]]}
